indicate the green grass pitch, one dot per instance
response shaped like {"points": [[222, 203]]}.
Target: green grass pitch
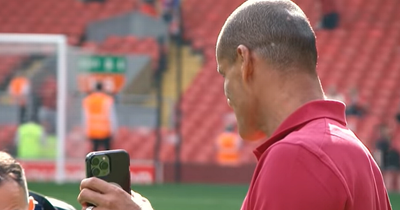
{"points": [[173, 196]]}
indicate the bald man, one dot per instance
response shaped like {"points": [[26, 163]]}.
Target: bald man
{"points": [[266, 52], [309, 159]]}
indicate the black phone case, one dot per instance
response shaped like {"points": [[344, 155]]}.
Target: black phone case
{"points": [[119, 168]]}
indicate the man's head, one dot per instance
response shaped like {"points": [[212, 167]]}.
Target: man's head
{"points": [[99, 86], [262, 46], [13, 188]]}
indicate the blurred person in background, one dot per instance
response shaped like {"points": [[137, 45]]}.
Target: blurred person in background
{"points": [[266, 52], [99, 118], [47, 110], [30, 140], [169, 9], [171, 16], [388, 158], [162, 62], [397, 116], [332, 93], [354, 105], [228, 147], [19, 91], [330, 15]]}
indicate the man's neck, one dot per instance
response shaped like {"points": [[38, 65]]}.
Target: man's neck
{"points": [[287, 101]]}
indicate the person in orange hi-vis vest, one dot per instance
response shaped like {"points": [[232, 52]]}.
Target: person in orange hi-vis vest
{"points": [[19, 90], [228, 147], [99, 118]]}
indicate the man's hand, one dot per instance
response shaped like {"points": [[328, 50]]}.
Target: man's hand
{"points": [[106, 196]]}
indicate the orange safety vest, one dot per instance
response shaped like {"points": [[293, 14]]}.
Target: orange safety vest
{"points": [[228, 148], [17, 87], [97, 108]]}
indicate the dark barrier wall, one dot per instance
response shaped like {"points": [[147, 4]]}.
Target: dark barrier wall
{"points": [[133, 23], [213, 174]]}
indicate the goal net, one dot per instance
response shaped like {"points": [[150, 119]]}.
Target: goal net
{"points": [[43, 82]]}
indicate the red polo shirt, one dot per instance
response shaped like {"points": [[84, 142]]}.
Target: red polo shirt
{"points": [[313, 162]]}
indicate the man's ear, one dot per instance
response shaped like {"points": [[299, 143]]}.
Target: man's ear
{"points": [[31, 203], [244, 56]]}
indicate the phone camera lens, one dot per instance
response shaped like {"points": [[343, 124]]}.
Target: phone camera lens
{"points": [[95, 161], [96, 172], [103, 165]]}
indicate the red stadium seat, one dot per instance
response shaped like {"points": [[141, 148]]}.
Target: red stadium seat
{"points": [[359, 53], [353, 55]]}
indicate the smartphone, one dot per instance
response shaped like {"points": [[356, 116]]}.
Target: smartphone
{"points": [[111, 166]]}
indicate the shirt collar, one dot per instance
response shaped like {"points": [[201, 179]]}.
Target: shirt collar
{"points": [[310, 111]]}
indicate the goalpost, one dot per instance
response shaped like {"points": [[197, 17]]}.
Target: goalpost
{"points": [[72, 70], [60, 42]]}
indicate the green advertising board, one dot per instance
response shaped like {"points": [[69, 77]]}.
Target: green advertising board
{"points": [[103, 64]]}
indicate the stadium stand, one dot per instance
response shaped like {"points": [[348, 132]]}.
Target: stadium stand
{"points": [[360, 53], [116, 45], [68, 17], [7, 133], [71, 18], [9, 63], [363, 52]]}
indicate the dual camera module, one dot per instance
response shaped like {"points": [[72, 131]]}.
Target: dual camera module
{"points": [[100, 165]]}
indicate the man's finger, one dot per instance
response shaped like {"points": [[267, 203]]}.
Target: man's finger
{"points": [[89, 196], [97, 185]]}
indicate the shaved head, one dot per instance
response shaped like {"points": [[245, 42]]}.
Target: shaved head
{"points": [[277, 30]]}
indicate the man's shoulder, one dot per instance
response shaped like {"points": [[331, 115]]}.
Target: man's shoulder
{"points": [[307, 134], [289, 152], [296, 159], [320, 132], [328, 142], [323, 139], [285, 151]]}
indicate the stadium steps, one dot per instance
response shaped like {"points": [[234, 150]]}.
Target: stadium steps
{"points": [[191, 64], [68, 17]]}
